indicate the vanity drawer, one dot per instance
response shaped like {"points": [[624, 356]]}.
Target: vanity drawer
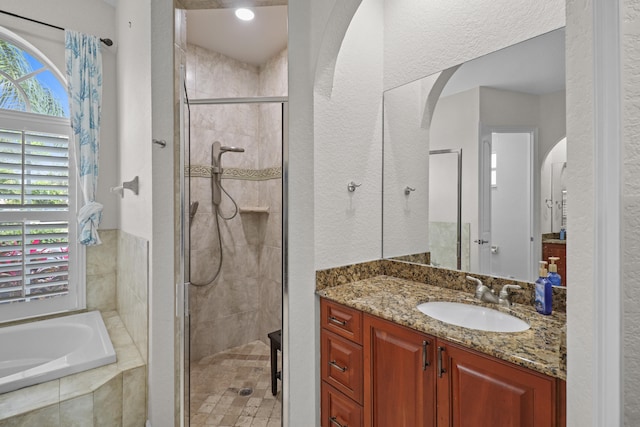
{"points": [[338, 410], [341, 365], [342, 320]]}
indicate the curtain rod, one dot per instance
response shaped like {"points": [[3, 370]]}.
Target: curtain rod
{"points": [[108, 42]]}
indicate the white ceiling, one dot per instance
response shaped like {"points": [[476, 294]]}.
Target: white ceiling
{"points": [[253, 42], [534, 66]]}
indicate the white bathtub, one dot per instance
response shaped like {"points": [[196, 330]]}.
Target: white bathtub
{"points": [[36, 352]]}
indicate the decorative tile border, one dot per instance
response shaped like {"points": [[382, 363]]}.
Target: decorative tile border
{"points": [[198, 171], [252, 174], [204, 171]]}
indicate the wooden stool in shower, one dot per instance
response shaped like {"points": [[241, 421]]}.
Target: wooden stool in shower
{"points": [[275, 338]]}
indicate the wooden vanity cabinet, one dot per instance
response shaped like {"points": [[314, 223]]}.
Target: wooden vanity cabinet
{"points": [[341, 368], [411, 379], [558, 250], [399, 376], [477, 390]]}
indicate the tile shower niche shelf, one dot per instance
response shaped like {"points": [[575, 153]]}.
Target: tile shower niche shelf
{"points": [[255, 209]]}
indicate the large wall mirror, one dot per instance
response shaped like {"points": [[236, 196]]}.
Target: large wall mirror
{"points": [[474, 164]]}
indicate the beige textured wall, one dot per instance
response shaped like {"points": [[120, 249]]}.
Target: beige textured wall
{"points": [[581, 186], [244, 303]]}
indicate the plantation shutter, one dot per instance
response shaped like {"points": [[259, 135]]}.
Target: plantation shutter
{"points": [[34, 209]]}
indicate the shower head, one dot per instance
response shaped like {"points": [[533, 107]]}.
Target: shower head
{"points": [[225, 148], [217, 150]]}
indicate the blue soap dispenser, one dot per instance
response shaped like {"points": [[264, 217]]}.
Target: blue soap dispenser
{"points": [[553, 276], [543, 291]]}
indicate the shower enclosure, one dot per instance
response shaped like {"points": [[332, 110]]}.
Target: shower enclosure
{"points": [[232, 214], [234, 177]]}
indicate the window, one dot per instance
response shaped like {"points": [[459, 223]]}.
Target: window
{"points": [[39, 263]]}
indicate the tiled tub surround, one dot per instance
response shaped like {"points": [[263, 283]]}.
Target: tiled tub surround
{"points": [[381, 293], [132, 288], [117, 279], [112, 395]]}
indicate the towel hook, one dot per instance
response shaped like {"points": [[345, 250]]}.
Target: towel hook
{"points": [[352, 186], [129, 185]]}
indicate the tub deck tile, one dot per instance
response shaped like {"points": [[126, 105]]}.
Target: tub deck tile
{"points": [[28, 399]]}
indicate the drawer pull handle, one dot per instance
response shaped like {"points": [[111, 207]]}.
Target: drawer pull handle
{"points": [[334, 421], [338, 367], [441, 370], [337, 321], [425, 355]]}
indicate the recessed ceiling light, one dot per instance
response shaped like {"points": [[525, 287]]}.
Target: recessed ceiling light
{"points": [[245, 14]]}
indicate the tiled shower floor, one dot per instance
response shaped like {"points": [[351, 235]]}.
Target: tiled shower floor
{"points": [[220, 385]]}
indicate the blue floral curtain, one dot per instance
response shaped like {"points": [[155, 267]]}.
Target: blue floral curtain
{"points": [[84, 80]]}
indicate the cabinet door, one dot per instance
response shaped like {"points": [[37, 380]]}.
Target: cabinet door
{"points": [[399, 375], [478, 390]]}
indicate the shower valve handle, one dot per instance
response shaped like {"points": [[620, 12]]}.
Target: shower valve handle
{"points": [[352, 186]]}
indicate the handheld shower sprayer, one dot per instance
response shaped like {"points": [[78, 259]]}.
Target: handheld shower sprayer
{"points": [[217, 150], [193, 208], [226, 148]]}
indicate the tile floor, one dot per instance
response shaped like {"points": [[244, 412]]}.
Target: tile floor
{"points": [[233, 388]]}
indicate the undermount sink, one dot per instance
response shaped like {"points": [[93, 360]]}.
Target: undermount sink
{"points": [[473, 316]]}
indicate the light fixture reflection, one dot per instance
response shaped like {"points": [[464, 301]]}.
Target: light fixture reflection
{"points": [[245, 14]]}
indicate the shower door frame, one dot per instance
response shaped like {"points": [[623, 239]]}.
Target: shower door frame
{"points": [[458, 153], [183, 290]]}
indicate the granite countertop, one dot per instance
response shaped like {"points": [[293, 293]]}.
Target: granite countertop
{"points": [[563, 242], [395, 299]]}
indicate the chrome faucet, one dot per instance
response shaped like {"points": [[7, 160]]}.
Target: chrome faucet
{"points": [[504, 297], [485, 294]]}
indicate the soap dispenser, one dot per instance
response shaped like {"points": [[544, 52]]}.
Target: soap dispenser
{"points": [[543, 291], [553, 276]]}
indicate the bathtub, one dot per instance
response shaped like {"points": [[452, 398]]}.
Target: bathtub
{"points": [[32, 353]]}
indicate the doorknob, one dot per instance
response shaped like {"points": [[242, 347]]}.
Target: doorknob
{"points": [[480, 241]]}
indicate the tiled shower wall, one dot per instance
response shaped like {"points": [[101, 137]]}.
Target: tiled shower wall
{"points": [[244, 303]]}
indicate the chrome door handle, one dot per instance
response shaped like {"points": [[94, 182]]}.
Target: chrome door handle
{"points": [[338, 367], [480, 241], [334, 421], [337, 321], [425, 356], [441, 370]]}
